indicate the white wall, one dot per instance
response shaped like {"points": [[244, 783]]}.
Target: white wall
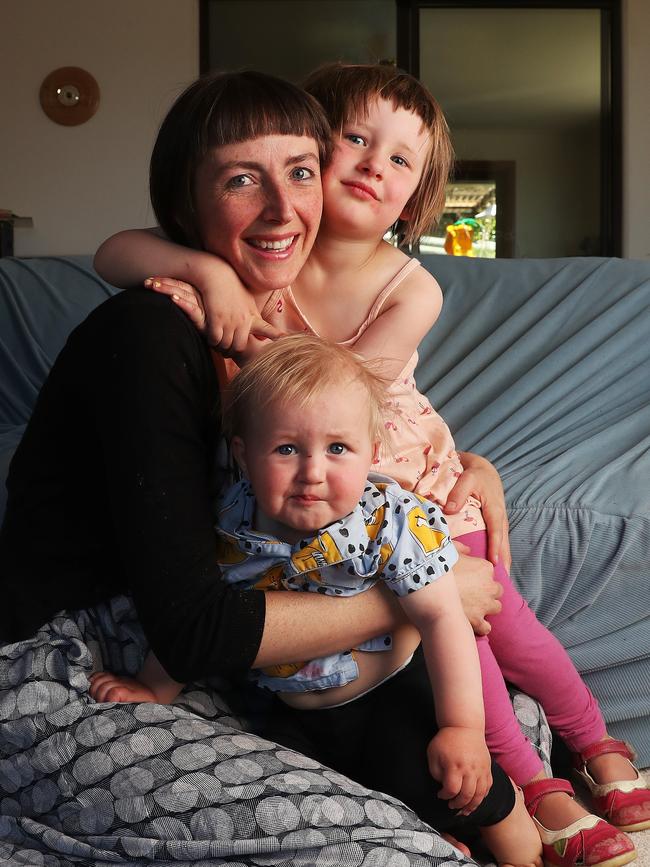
{"points": [[636, 129], [82, 183]]}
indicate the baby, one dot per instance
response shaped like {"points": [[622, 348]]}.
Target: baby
{"points": [[305, 420]]}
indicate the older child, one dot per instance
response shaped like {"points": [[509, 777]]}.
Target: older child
{"points": [[390, 165], [305, 419]]}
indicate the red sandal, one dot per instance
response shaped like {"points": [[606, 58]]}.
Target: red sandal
{"points": [[624, 803], [588, 842]]}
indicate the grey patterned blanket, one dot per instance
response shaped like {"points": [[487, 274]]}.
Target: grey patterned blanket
{"points": [[136, 784]]}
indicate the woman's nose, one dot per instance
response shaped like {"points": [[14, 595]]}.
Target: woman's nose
{"points": [[278, 205]]}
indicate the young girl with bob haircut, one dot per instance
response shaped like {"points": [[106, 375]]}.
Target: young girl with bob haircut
{"points": [[389, 167]]}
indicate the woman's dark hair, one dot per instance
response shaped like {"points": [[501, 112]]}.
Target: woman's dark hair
{"points": [[220, 109]]}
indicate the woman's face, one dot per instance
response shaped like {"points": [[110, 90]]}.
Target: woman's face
{"points": [[259, 205]]}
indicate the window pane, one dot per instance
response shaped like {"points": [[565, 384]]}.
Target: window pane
{"points": [[524, 85], [289, 38]]}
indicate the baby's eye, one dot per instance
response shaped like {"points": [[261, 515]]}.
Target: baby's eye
{"points": [[302, 173], [398, 160], [354, 138], [286, 449], [337, 449], [240, 181]]}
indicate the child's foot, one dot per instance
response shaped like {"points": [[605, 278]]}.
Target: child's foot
{"points": [[571, 836], [611, 767], [618, 790], [557, 810], [454, 842], [513, 841]]}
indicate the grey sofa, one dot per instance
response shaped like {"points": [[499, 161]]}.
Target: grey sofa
{"points": [[543, 366]]}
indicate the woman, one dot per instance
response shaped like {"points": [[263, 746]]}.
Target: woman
{"points": [[110, 493]]}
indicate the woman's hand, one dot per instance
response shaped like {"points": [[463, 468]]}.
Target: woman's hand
{"points": [[228, 319], [481, 480], [479, 592]]}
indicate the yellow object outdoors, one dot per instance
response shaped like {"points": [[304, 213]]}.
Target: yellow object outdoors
{"points": [[458, 240]]}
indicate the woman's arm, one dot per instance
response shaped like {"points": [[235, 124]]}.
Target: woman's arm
{"points": [[309, 625], [481, 479], [479, 592]]}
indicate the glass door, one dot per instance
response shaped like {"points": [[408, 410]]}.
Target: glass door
{"points": [[530, 91]]}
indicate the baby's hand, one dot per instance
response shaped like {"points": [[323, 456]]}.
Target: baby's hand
{"points": [[459, 759], [106, 686]]}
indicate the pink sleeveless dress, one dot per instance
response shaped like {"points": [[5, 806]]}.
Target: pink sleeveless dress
{"points": [[419, 452]]}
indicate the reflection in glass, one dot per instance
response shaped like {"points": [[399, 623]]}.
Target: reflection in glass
{"points": [[524, 85], [290, 38]]}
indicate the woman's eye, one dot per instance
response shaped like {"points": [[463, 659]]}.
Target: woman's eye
{"points": [[302, 173], [286, 449], [400, 161], [240, 181], [354, 138], [337, 449]]}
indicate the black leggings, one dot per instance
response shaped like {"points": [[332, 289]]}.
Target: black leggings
{"points": [[380, 740]]}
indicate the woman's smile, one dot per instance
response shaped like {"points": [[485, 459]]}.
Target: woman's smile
{"points": [[259, 204]]}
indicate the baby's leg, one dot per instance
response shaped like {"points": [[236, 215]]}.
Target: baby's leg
{"points": [[531, 658], [381, 740], [514, 840]]}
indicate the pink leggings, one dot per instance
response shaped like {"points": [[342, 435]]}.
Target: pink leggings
{"points": [[523, 652]]}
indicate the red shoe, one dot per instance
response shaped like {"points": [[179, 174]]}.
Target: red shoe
{"points": [[625, 803], [588, 842]]}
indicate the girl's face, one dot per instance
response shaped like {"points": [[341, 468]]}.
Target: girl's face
{"points": [[258, 204], [308, 465], [375, 169]]}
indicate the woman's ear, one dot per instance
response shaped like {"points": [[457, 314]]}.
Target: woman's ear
{"points": [[239, 452]]}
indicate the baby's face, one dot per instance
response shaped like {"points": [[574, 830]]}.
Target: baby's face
{"points": [[308, 465]]}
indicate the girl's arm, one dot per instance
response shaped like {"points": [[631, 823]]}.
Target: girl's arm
{"points": [[458, 756], [129, 257], [132, 257], [392, 338], [408, 315]]}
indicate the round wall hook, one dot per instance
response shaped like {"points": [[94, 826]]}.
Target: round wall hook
{"points": [[69, 95]]}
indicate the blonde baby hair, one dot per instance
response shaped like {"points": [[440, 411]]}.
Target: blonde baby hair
{"points": [[345, 92], [295, 370]]}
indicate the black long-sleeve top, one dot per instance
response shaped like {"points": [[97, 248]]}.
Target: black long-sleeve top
{"points": [[111, 491]]}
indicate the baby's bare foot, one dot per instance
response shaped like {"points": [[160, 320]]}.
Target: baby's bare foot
{"points": [[536, 863], [460, 846]]}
